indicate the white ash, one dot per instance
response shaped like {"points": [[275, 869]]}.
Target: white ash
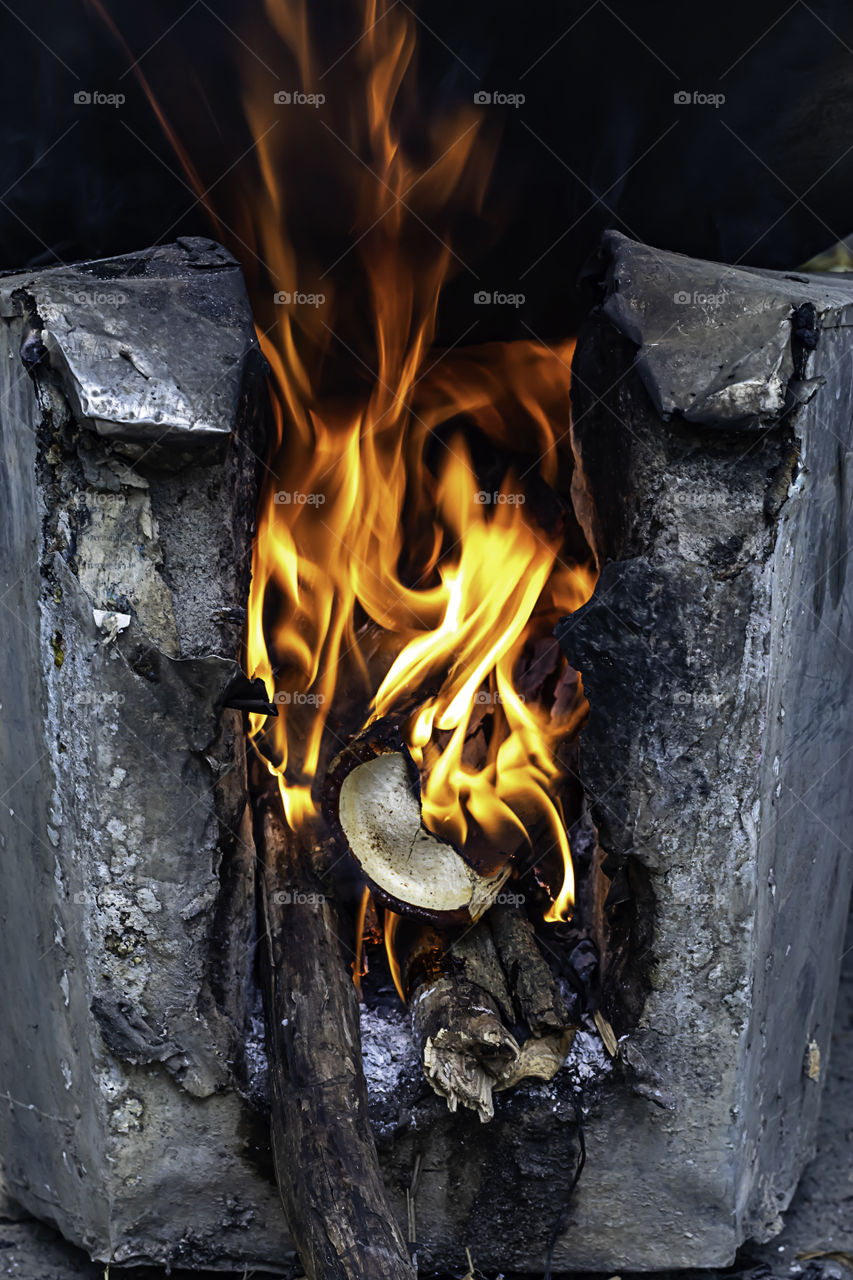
{"points": [[588, 1060], [391, 1058], [390, 1055]]}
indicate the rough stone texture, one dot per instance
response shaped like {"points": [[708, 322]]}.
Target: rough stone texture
{"points": [[718, 755], [126, 375], [133, 1065], [818, 1220], [127, 893]]}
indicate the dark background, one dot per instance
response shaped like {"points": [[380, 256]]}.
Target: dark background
{"points": [[764, 179]]}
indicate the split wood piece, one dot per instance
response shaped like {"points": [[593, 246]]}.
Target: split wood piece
{"points": [[461, 1008], [537, 996], [466, 1048], [323, 1148], [373, 803], [426, 955], [460, 1005]]}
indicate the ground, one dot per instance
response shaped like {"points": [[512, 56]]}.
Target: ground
{"points": [[819, 1220]]}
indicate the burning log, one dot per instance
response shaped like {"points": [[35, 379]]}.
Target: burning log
{"points": [[373, 801], [460, 1008], [463, 1004], [325, 1156]]}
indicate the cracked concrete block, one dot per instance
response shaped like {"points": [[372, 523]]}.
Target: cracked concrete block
{"points": [[712, 432], [130, 427]]}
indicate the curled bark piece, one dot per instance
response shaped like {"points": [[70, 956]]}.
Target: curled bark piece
{"points": [[373, 801], [537, 997], [323, 1147], [539, 1059]]}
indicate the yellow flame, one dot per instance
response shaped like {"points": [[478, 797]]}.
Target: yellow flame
{"points": [[382, 575]]}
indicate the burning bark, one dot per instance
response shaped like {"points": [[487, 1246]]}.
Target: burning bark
{"points": [[325, 1155], [374, 800]]}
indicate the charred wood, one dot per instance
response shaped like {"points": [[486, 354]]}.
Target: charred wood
{"points": [[537, 997], [323, 1147]]}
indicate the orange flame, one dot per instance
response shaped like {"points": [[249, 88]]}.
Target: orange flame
{"points": [[382, 574], [359, 964], [392, 921], [370, 543]]}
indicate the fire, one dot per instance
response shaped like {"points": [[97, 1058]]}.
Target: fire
{"points": [[492, 590], [387, 576], [377, 548], [392, 921]]}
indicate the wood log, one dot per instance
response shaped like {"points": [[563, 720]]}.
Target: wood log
{"points": [[463, 1006], [465, 1046], [372, 800], [323, 1148], [459, 1007], [537, 997]]}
